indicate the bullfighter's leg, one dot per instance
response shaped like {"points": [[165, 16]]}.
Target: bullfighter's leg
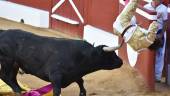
{"points": [[127, 13], [8, 74], [125, 17], [55, 79], [81, 86]]}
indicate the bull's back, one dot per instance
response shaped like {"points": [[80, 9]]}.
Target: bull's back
{"points": [[36, 51]]}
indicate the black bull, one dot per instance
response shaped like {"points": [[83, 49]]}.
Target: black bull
{"points": [[60, 61]]}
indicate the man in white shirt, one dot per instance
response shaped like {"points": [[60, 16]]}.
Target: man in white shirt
{"points": [[162, 17]]}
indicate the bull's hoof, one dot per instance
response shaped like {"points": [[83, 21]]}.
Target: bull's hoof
{"points": [[18, 94], [93, 94], [82, 94]]}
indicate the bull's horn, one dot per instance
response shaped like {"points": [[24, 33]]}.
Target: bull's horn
{"points": [[110, 49]]}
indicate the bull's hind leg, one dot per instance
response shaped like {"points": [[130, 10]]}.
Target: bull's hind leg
{"points": [[55, 79], [8, 74]]}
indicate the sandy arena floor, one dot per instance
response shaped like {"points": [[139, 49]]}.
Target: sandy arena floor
{"points": [[119, 82]]}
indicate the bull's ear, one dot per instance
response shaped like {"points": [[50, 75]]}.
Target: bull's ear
{"points": [[99, 49], [101, 46]]}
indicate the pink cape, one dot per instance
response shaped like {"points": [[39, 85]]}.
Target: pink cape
{"points": [[39, 92]]}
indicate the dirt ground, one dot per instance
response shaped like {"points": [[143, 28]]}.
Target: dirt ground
{"points": [[124, 81]]}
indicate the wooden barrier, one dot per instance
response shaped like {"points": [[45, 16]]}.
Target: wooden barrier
{"points": [[167, 50]]}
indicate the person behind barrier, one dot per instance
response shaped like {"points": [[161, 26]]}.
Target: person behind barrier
{"points": [[159, 44]]}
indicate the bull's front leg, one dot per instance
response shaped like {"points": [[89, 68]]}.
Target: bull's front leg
{"points": [[8, 74], [81, 86], [56, 83]]}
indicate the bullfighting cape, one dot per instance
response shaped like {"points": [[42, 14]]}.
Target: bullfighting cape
{"points": [[138, 38]]}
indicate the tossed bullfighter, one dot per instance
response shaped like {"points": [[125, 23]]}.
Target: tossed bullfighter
{"points": [[137, 37]]}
